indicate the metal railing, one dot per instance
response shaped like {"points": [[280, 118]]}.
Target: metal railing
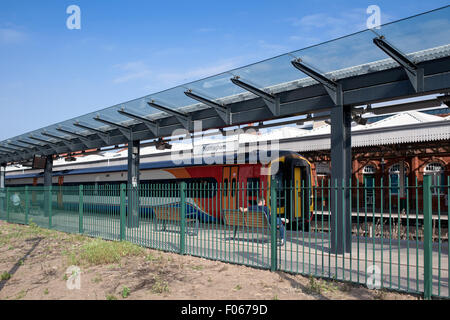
{"points": [[399, 237]]}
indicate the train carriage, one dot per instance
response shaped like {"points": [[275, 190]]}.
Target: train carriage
{"points": [[211, 188]]}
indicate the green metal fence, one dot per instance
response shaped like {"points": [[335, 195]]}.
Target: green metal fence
{"points": [[399, 233]]}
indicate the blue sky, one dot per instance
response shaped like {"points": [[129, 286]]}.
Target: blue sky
{"points": [[128, 49]]}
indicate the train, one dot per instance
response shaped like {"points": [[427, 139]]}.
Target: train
{"points": [[212, 188]]}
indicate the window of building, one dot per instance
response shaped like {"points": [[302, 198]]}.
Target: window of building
{"points": [[369, 169], [395, 176], [436, 171]]}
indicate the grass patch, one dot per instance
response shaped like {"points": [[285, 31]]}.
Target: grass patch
{"points": [[197, 267], [98, 252], [5, 276]]}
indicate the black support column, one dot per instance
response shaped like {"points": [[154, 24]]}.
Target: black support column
{"points": [[341, 171], [133, 183], [47, 183]]}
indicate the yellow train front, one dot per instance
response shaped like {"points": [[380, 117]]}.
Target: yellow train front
{"points": [[294, 184]]}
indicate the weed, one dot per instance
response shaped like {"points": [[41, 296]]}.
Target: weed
{"points": [[5, 276], [379, 295], [21, 295], [275, 297], [314, 286], [65, 277], [111, 297], [125, 292], [46, 291], [238, 287], [97, 279], [160, 286]]}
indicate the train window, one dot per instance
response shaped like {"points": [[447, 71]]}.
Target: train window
{"points": [[233, 187], [225, 186], [195, 187], [253, 185]]}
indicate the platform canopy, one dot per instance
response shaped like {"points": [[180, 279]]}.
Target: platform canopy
{"points": [[405, 58]]}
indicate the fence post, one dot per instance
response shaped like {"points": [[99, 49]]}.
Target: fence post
{"points": [[122, 211], [7, 204], [183, 216], [27, 205], [50, 203], [80, 210], [273, 226], [427, 235]]}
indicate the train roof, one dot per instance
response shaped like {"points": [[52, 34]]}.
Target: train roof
{"points": [[198, 161]]}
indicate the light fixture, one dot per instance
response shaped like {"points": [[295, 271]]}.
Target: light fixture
{"points": [[160, 144], [359, 120]]}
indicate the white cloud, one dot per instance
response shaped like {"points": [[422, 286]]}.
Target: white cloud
{"points": [[327, 26], [132, 71], [153, 78], [197, 73], [11, 36]]}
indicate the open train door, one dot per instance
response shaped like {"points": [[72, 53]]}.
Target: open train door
{"points": [[230, 185]]}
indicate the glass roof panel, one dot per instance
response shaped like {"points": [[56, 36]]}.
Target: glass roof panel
{"points": [[347, 56], [420, 32]]}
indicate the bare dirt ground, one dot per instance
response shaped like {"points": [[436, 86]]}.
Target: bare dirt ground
{"points": [[34, 263]]}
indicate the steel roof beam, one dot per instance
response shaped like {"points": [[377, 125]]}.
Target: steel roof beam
{"points": [[272, 101], [52, 145], [415, 74], [15, 153], [88, 143], [183, 118], [18, 146], [12, 149], [333, 88], [101, 134], [31, 144], [126, 131], [69, 143], [36, 146], [222, 111], [151, 125]]}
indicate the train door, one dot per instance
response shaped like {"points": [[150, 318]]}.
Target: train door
{"points": [[298, 193], [230, 187]]}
